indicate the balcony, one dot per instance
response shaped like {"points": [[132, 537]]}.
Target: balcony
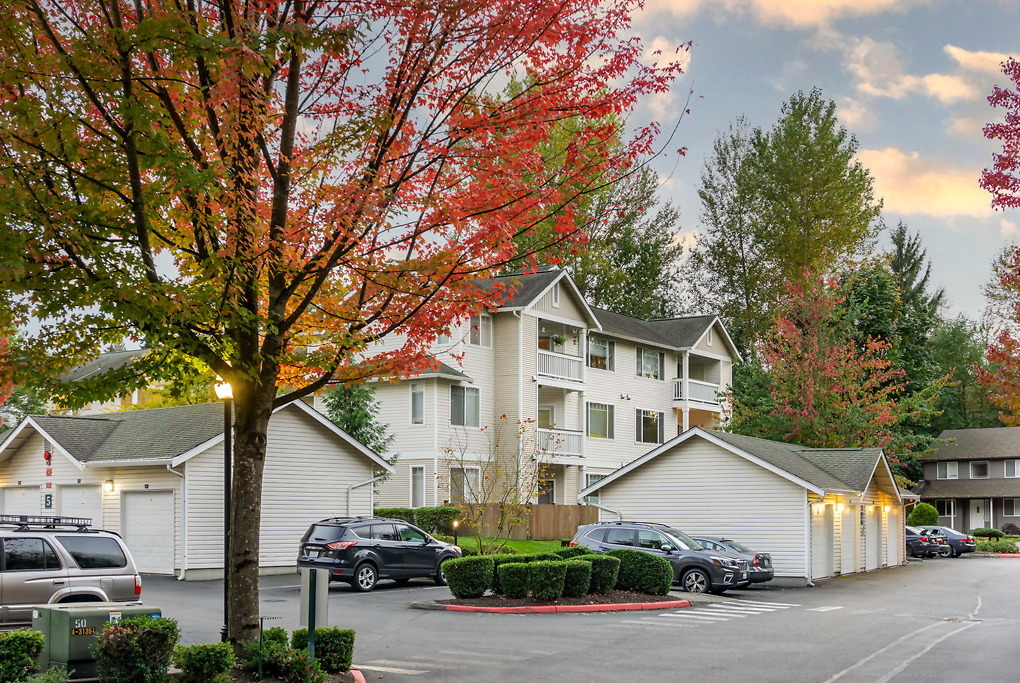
{"points": [[560, 366], [702, 392], [555, 445]]}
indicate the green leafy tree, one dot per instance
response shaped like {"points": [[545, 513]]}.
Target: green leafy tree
{"points": [[958, 345], [23, 400], [353, 409]]}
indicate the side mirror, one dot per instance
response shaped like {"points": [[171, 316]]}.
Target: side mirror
{"points": [[666, 548]]}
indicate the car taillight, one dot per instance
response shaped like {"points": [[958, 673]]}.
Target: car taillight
{"points": [[138, 584], [340, 545], [572, 543], [923, 539], [756, 563]]}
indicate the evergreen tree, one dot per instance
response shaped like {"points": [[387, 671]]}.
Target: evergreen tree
{"points": [[354, 409]]}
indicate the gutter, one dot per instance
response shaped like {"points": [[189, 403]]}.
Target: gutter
{"points": [[129, 463], [184, 521], [351, 487]]}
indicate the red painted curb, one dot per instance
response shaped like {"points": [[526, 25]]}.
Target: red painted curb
{"points": [[358, 676], [547, 609], [1009, 555]]}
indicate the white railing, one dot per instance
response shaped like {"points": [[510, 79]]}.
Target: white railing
{"points": [[705, 392], [553, 442], [560, 365]]}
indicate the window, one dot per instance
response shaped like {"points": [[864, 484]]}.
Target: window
{"points": [[590, 479], [464, 484], [556, 295], [464, 406], [381, 532], [410, 534], [979, 469], [417, 487], [709, 339], [600, 420], [650, 426], [650, 364], [600, 353], [597, 535], [650, 540], [546, 417], [1011, 507], [1012, 468], [620, 536], [29, 555], [947, 470], [417, 403], [946, 507], [546, 491], [480, 333], [94, 552]]}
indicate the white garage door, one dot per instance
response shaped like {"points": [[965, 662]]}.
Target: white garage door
{"points": [[822, 539], [873, 537], [895, 544], [82, 501], [21, 500], [148, 524]]}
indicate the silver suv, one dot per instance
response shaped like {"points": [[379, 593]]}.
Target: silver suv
{"points": [[59, 560]]}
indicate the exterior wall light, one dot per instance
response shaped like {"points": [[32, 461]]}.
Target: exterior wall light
{"points": [[108, 485]]}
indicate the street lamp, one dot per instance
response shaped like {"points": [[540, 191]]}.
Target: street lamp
{"points": [[456, 523], [226, 394]]}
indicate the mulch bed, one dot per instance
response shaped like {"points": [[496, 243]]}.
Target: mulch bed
{"points": [[245, 677], [610, 598]]}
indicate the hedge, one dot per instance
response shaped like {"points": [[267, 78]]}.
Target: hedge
{"points": [[434, 520], [19, 651], [987, 533], [996, 547], [334, 647], [1011, 529], [497, 561], [469, 577], [136, 649], [514, 579], [643, 572], [578, 579], [572, 551], [204, 663], [546, 578], [604, 570], [923, 514]]}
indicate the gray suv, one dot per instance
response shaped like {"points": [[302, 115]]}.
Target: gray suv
{"points": [[695, 569], [59, 560]]}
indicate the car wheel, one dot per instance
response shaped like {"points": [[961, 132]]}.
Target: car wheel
{"points": [[696, 581], [440, 578], [910, 551], [365, 577], [945, 551]]}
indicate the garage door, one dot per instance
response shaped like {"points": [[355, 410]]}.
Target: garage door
{"points": [[82, 501], [822, 539], [849, 534], [895, 544], [21, 500], [873, 537], [148, 524]]}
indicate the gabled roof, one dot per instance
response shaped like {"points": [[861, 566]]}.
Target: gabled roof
{"points": [[837, 470], [444, 371], [969, 488], [527, 288], [989, 443], [104, 362], [151, 436], [631, 328]]}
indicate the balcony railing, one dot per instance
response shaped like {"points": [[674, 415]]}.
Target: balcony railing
{"points": [[564, 442], [560, 365], [705, 392]]}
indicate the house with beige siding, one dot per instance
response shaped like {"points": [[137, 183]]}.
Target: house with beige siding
{"points": [[156, 477], [590, 390], [819, 512]]}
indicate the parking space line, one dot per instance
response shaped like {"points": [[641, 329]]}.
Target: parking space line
{"points": [[780, 605], [741, 610], [687, 615], [389, 669], [823, 609]]}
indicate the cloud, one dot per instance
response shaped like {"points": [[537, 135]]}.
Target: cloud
{"points": [[1007, 228], [912, 184], [855, 115], [787, 13], [988, 62], [966, 127]]}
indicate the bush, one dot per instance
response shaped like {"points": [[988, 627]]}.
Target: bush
{"points": [[546, 557], [334, 647], [546, 579], [468, 551], [497, 561], [996, 547], [19, 651], [643, 572], [514, 579], [578, 579], [136, 649], [604, 570], [280, 661], [201, 663], [469, 577], [923, 514], [55, 674], [572, 551], [987, 533], [405, 514], [1011, 529], [437, 519], [276, 635]]}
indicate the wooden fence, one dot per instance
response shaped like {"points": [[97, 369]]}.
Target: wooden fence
{"points": [[545, 522]]}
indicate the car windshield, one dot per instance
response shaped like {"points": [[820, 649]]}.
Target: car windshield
{"points": [[685, 541], [739, 547]]}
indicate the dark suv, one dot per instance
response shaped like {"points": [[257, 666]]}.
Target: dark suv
{"points": [[362, 550], [696, 570]]}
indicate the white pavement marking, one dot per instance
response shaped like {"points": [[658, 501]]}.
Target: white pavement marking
{"points": [[781, 605], [490, 655], [695, 616], [721, 612], [884, 649], [389, 669], [740, 608], [646, 623], [823, 609]]}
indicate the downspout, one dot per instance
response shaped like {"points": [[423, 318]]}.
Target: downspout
{"points": [[581, 501], [184, 521], [351, 487], [810, 541], [520, 396]]}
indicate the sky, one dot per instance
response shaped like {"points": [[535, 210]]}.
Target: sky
{"points": [[910, 79]]}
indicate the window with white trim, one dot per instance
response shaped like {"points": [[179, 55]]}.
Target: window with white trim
{"points": [[590, 479], [946, 507], [708, 340], [546, 491], [979, 469], [1012, 468], [600, 420], [417, 487], [650, 426], [601, 353], [651, 364], [947, 470], [1011, 507], [417, 403], [464, 484], [556, 295], [464, 406], [480, 332]]}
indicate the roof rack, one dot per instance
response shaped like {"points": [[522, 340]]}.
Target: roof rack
{"points": [[26, 522], [345, 519]]}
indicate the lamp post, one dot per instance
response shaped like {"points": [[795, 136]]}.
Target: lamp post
{"points": [[226, 394], [456, 523]]}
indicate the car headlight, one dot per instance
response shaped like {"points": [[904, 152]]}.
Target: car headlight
{"points": [[724, 561]]}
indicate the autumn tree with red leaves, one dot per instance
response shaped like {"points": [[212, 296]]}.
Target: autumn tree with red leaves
{"points": [[271, 187]]}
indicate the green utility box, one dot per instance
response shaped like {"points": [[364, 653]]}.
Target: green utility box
{"points": [[72, 629]]}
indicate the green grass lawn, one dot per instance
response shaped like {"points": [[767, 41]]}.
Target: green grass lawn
{"points": [[522, 547]]}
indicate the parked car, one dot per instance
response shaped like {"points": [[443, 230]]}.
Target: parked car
{"points": [[956, 543], [362, 550], [49, 560], [919, 544], [759, 564], [695, 569]]}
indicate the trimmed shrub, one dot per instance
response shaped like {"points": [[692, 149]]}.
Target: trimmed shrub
{"points": [[19, 651], [136, 649], [468, 551], [643, 572], [275, 635], [55, 674], [923, 514], [546, 557], [996, 547], [405, 514], [578, 579], [987, 533], [572, 551], [204, 663], [604, 570], [1011, 529], [436, 519], [546, 579], [469, 577], [280, 661], [334, 647], [514, 579], [497, 561]]}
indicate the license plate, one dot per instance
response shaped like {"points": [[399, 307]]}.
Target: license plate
{"points": [[743, 575]]}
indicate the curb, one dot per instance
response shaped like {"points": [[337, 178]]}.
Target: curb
{"points": [[1009, 555], [560, 609], [358, 676]]}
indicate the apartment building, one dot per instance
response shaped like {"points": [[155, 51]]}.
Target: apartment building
{"points": [[592, 390]]}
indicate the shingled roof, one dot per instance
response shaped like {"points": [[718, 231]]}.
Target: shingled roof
{"points": [[104, 362], [990, 443]]}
